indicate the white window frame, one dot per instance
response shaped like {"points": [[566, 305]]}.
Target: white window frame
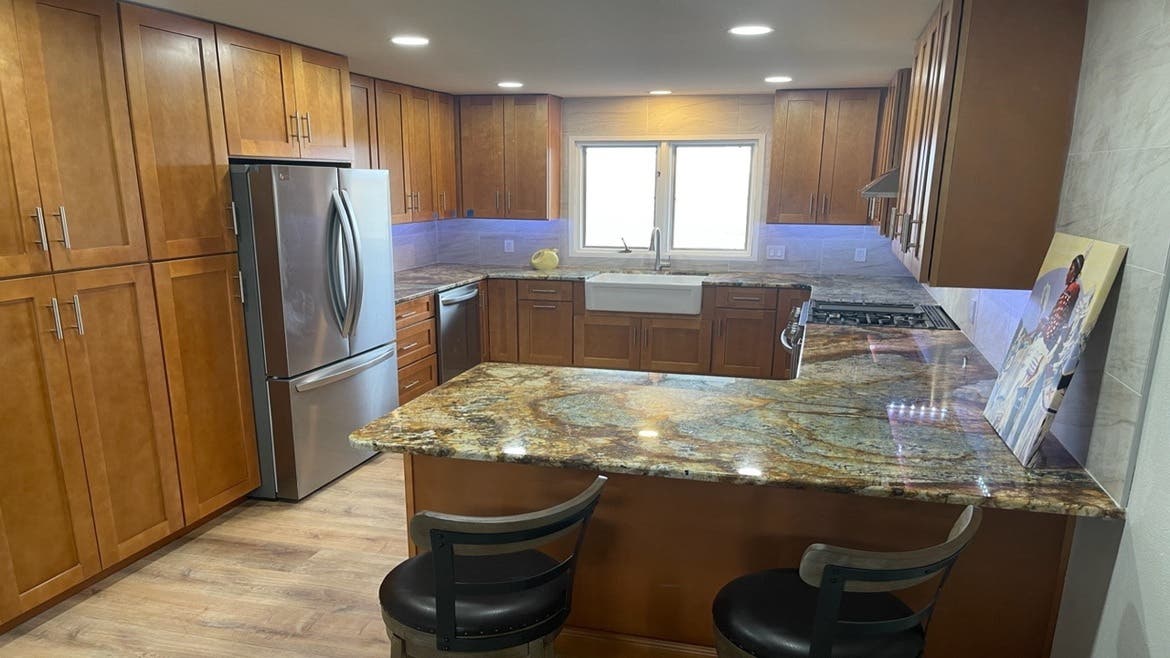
{"points": [[664, 195]]}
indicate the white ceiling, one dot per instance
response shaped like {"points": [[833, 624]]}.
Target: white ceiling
{"points": [[596, 47]]}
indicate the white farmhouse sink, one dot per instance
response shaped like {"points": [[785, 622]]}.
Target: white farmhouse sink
{"points": [[645, 293]]}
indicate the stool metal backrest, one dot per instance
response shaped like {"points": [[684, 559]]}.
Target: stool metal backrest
{"points": [[836, 570], [448, 535]]}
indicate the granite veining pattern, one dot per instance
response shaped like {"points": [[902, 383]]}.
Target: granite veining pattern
{"points": [[876, 412], [431, 279]]}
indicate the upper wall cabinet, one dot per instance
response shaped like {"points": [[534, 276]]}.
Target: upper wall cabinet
{"points": [[177, 116], [822, 153], [88, 213], [365, 132], [282, 100], [891, 138], [992, 94], [510, 156], [443, 154]]}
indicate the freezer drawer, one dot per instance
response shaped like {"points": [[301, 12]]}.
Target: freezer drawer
{"points": [[312, 416]]}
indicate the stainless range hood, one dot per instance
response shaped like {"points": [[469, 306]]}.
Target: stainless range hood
{"points": [[884, 186]]}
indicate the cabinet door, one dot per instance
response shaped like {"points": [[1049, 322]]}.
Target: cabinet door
{"points": [[120, 393], [790, 300], [47, 540], [259, 105], [526, 157], [365, 133], [23, 247], [743, 342], [421, 189], [797, 137], [606, 341], [545, 331], [443, 154], [502, 321], [676, 345], [323, 104], [481, 155], [393, 141], [851, 122], [72, 57], [202, 327], [176, 111]]}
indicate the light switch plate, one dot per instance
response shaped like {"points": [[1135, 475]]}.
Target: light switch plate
{"points": [[777, 251], [859, 255], [509, 246]]}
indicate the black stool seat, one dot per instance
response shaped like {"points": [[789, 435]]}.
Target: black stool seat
{"points": [[408, 593], [770, 614]]}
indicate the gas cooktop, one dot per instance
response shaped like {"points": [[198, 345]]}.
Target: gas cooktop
{"points": [[863, 314]]}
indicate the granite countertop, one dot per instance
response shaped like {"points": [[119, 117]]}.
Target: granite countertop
{"points": [[431, 279], [875, 412]]}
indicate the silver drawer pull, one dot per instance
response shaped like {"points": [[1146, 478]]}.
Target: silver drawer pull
{"points": [[745, 299], [56, 330], [411, 385], [403, 316], [408, 347], [542, 291], [546, 306]]}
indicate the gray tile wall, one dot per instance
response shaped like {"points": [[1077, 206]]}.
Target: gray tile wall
{"points": [[415, 245]]}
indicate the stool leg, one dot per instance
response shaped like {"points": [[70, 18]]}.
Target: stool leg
{"points": [[397, 647]]}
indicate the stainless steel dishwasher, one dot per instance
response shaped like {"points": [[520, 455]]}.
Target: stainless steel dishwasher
{"points": [[458, 330]]}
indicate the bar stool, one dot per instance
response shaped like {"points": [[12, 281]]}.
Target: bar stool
{"points": [[480, 588], [838, 603]]}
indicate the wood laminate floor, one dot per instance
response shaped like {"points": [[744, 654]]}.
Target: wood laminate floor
{"points": [[265, 579]]}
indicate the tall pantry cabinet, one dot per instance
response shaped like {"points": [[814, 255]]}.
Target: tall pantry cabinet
{"points": [[128, 416]]}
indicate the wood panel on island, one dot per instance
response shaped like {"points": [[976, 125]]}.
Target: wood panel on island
{"points": [[982, 117], [822, 154], [510, 156]]}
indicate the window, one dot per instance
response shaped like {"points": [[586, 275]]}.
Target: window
{"points": [[700, 193]]}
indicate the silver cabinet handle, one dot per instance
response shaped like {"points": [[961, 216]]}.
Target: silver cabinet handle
{"points": [[497, 199], [403, 316], [408, 347], [812, 204], [235, 219], [39, 216], [296, 127], [411, 385], [56, 330], [239, 277], [745, 299], [825, 206], [80, 326], [508, 201], [60, 215], [542, 291], [308, 127], [545, 306]]}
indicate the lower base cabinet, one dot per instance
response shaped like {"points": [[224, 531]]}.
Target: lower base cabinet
{"points": [[201, 318], [630, 342], [417, 378], [545, 332], [743, 342]]}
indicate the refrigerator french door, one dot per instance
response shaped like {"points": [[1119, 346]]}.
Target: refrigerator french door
{"points": [[318, 276]]}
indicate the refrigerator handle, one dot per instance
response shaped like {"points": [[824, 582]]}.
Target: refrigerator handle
{"points": [[343, 370], [357, 296], [346, 320]]}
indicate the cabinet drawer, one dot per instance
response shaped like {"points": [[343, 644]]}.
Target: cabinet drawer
{"points": [[739, 297], [417, 378], [543, 290], [416, 341], [415, 310]]}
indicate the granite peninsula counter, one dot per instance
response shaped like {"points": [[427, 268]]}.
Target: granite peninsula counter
{"points": [[875, 446]]}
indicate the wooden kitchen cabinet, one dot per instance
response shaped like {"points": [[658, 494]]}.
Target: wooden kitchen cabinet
{"points": [[743, 342], [392, 105], [443, 154], [992, 94], [281, 100], [510, 156], [675, 345], [365, 131], [891, 138], [822, 153], [47, 541], [201, 320], [607, 340], [176, 113], [788, 303], [123, 413], [420, 190], [502, 321], [545, 332], [23, 248], [417, 378], [71, 58]]}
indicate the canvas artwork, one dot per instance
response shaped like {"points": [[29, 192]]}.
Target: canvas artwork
{"points": [[1074, 281]]}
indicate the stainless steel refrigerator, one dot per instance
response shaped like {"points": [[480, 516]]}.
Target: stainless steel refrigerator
{"points": [[318, 276]]}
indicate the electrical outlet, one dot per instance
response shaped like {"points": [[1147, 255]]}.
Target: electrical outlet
{"points": [[776, 251], [859, 255], [509, 246]]}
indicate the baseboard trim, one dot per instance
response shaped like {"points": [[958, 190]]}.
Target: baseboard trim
{"points": [[589, 643]]}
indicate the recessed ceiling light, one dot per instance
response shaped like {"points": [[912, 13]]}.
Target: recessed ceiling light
{"points": [[659, 92], [778, 78], [409, 40], [510, 84], [750, 30]]}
